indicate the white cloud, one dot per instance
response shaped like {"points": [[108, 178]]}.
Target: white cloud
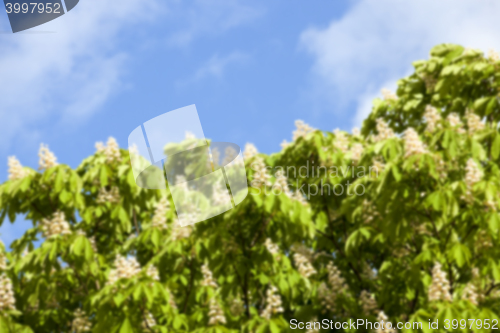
{"points": [[374, 43], [67, 74], [209, 17]]}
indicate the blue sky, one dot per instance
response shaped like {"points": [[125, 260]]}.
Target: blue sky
{"points": [[251, 67]]}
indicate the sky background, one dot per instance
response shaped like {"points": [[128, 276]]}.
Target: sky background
{"points": [[251, 67]]}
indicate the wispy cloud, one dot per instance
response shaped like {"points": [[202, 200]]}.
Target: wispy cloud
{"points": [[209, 17], [374, 44], [69, 73], [215, 67]]}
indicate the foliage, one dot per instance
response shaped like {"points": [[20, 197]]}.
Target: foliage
{"points": [[413, 235]]}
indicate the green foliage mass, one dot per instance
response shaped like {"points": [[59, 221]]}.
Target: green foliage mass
{"points": [[420, 242]]}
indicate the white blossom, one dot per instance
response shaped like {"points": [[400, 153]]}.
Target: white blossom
{"points": [[7, 300], [493, 55], [369, 211], [399, 252], [470, 294], [328, 293], [171, 299], [439, 289], [284, 144], [467, 50], [57, 225], [455, 122], [356, 132], [413, 144], [335, 279], [483, 240], [271, 247], [302, 129], [125, 268], [208, 278], [327, 297], [377, 167], [281, 183], [100, 147], [111, 196], [490, 205], [273, 303], [148, 322], [356, 152], [249, 151], [341, 141], [303, 265], [440, 166], [432, 118], [261, 175], [368, 302], [16, 170], [179, 232], [388, 95], [81, 322], [111, 150], [383, 130], [472, 176], [47, 158], [215, 314], [281, 186], [153, 273], [474, 123], [237, 307], [160, 215], [383, 327]]}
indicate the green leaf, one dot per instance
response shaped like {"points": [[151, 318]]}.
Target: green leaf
{"points": [[396, 173], [65, 196], [78, 246], [274, 328], [495, 148], [103, 176], [461, 254], [491, 107], [59, 183], [126, 327], [269, 203], [155, 237]]}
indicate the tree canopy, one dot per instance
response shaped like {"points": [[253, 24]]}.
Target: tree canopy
{"points": [[397, 221]]}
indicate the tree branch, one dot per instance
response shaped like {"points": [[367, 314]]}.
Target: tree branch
{"points": [[191, 279], [262, 228], [135, 222]]}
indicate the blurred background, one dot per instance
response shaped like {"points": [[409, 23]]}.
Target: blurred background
{"points": [[251, 67]]}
